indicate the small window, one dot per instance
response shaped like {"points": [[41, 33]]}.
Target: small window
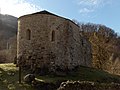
{"points": [[28, 34], [82, 42], [53, 36]]}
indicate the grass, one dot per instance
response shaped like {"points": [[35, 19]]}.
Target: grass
{"points": [[9, 77], [83, 74]]}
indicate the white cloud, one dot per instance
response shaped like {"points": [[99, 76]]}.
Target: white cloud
{"points": [[18, 7], [90, 2], [88, 6], [85, 10]]}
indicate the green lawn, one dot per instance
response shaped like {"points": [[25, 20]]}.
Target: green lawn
{"points": [[9, 77], [83, 74]]}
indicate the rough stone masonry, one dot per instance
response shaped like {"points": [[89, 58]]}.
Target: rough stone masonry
{"points": [[47, 40]]}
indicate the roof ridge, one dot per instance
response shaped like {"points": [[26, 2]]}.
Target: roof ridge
{"points": [[44, 12]]}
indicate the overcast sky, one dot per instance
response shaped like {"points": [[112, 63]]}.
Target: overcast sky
{"points": [[106, 12]]}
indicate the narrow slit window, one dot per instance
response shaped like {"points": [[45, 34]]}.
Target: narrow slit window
{"points": [[82, 43], [53, 36], [28, 34]]}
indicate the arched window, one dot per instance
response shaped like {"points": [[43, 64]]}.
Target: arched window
{"points": [[53, 36], [28, 34]]}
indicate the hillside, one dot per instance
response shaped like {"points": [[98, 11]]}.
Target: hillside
{"points": [[105, 47], [9, 78], [8, 32], [8, 29]]}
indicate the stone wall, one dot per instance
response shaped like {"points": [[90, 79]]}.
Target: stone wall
{"points": [[54, 42]]}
